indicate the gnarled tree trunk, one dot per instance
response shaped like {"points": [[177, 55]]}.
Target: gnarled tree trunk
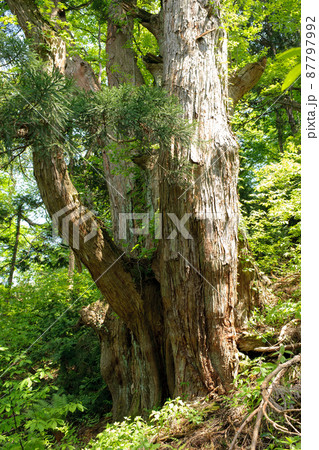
{"points": [[172, 333]]}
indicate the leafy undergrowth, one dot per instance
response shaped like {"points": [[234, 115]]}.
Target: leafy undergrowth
{"points": [[40, 409], [50, 383], [279, 321], [198, 424], [231, 422], [206, 423]]}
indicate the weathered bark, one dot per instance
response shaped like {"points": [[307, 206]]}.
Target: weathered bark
{"points": [[198, 276], [121, 67], [123, 364], [244, 80]]}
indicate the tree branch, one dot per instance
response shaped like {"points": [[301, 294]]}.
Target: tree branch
{"points": [[29, 221], [5, 165], [99, 254], [261, 412], [244, 80], [152, 22], [276, 348]]}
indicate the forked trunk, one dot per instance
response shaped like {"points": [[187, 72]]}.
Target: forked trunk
{"points": [[174, 334]]}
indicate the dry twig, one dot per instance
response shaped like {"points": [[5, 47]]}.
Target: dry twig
{"points": [[266, 391]]}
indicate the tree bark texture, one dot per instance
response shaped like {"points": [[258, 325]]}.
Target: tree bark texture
{"points": [[198, 275], [244, 80], [172, 333]]}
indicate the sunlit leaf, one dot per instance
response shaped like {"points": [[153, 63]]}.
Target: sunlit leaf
{"points": [[290, 53], [291, 77]]}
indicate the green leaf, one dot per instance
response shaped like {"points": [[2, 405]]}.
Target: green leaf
{"points": [[52, 424], [72, 407], [291, 77], [26, 382], [290, 53]]}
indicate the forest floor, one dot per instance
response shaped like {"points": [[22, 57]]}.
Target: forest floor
{"points": [[55, 398], [263, 411]]}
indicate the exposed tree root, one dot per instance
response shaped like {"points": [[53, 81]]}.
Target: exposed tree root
{"points": [[224, 426], [261, 411]]}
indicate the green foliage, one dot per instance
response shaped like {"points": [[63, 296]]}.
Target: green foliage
{"points": [[267, 129], [138, 433], [175, 410], [247, 395], [23, 202], [251, 375], [145, 115], [38, 322], [243, 21], [275, 316], [30, 411], [291, 77], [295, 72], [30, 99], [290, 442], [48, 110], [133, 433], [13, 51], [258, 28], [274, 217]]}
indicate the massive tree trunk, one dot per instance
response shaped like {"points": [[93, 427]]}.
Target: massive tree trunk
{"points": [[172, 333], [198, 273]]}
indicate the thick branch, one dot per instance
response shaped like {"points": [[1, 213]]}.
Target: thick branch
{"points": [[121, 66], [37, 28], [50, 46], [29, 221], [152, 22], [29, 18], [99, 254], [276, 348], [245, 79], [290, 336]]}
